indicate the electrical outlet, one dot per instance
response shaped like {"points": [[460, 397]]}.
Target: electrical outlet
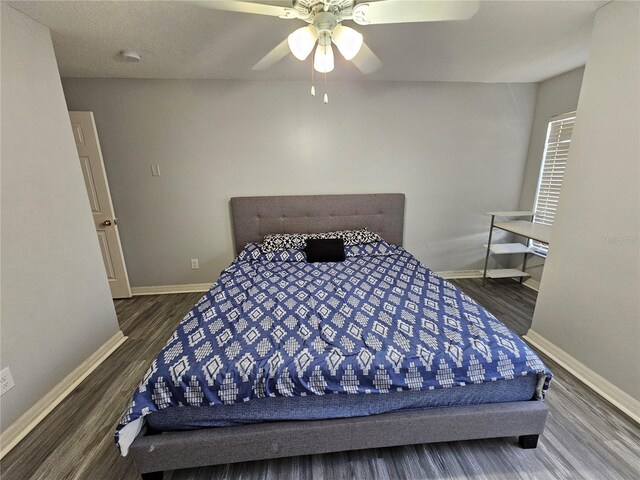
{"points": [[6, 381], [194, 264], [155, 170]]}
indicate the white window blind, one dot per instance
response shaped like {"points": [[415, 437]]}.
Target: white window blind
{"points": [[554, 162]]}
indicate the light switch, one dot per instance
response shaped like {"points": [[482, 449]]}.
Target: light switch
{"points": [[155, 170]]}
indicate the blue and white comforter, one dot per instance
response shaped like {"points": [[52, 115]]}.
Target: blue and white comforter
{"points": [[275, 325]]}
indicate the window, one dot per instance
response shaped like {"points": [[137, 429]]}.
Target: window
{"points": [[554, 161]]}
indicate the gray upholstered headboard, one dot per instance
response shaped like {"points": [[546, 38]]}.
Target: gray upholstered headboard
{"points": [[255, 217]]}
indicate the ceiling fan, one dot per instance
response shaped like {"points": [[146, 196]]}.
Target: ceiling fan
{"points": [[325, 27]]}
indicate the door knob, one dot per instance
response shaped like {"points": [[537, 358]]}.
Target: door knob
{"points": [[106, 223]]}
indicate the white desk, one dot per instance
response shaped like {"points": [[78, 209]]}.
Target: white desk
{"points": [[523, 228], [534, 231]]}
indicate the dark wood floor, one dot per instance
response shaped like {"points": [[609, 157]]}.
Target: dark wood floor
{"points": [[585, 437]]}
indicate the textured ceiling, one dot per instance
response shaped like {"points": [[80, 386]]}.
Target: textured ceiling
{"points": [[507, 41]]}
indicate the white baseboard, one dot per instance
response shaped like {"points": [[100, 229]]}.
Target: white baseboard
{"points": [[449, 275], [167, 289], [532, 284], [596, 382], [32, 417]]}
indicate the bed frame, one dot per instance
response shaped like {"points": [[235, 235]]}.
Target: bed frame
{"points": [[254, 217]]}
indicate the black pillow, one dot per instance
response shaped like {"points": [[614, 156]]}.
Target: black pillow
{"points": [[325, 250]]}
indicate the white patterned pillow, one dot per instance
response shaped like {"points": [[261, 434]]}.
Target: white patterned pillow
{"points": [[283, 241], [350, 237], [287, 241]]}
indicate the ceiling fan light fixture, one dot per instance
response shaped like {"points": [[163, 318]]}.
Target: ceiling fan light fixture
{"points": [[302, 41], [323, 59], [348, 41]]}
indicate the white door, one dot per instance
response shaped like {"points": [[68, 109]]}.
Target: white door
{"points": [[106, 222]]}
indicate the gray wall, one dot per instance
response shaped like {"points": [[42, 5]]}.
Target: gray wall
{"points": [[555, 96], [456, 149], [589, 301], [56, 305]]}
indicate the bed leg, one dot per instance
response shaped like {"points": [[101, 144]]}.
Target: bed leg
{"points": [[528, 441], [152, 476]]}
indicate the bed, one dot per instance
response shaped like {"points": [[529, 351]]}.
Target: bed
{"points": [[308, 366]]}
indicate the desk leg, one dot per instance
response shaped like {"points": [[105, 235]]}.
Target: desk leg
{"points": [[524, 266], [486, 258]]}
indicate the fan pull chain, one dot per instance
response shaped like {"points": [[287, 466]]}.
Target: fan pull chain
{"points": [[313, 88], [326, 96]]}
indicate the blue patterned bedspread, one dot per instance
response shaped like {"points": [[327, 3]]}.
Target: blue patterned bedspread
{"points": [[275, 325]]}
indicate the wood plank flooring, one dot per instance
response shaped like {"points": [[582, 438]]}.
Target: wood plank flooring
{"points": [[585, 437], [76, 439]]}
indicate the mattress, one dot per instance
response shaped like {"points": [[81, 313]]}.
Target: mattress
{"points": [[376, 325], [320, 407]]}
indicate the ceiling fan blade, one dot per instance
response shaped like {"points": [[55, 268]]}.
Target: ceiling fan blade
{"points": [[366, 60], [274, 56], [406, 11], [250, 7]]}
